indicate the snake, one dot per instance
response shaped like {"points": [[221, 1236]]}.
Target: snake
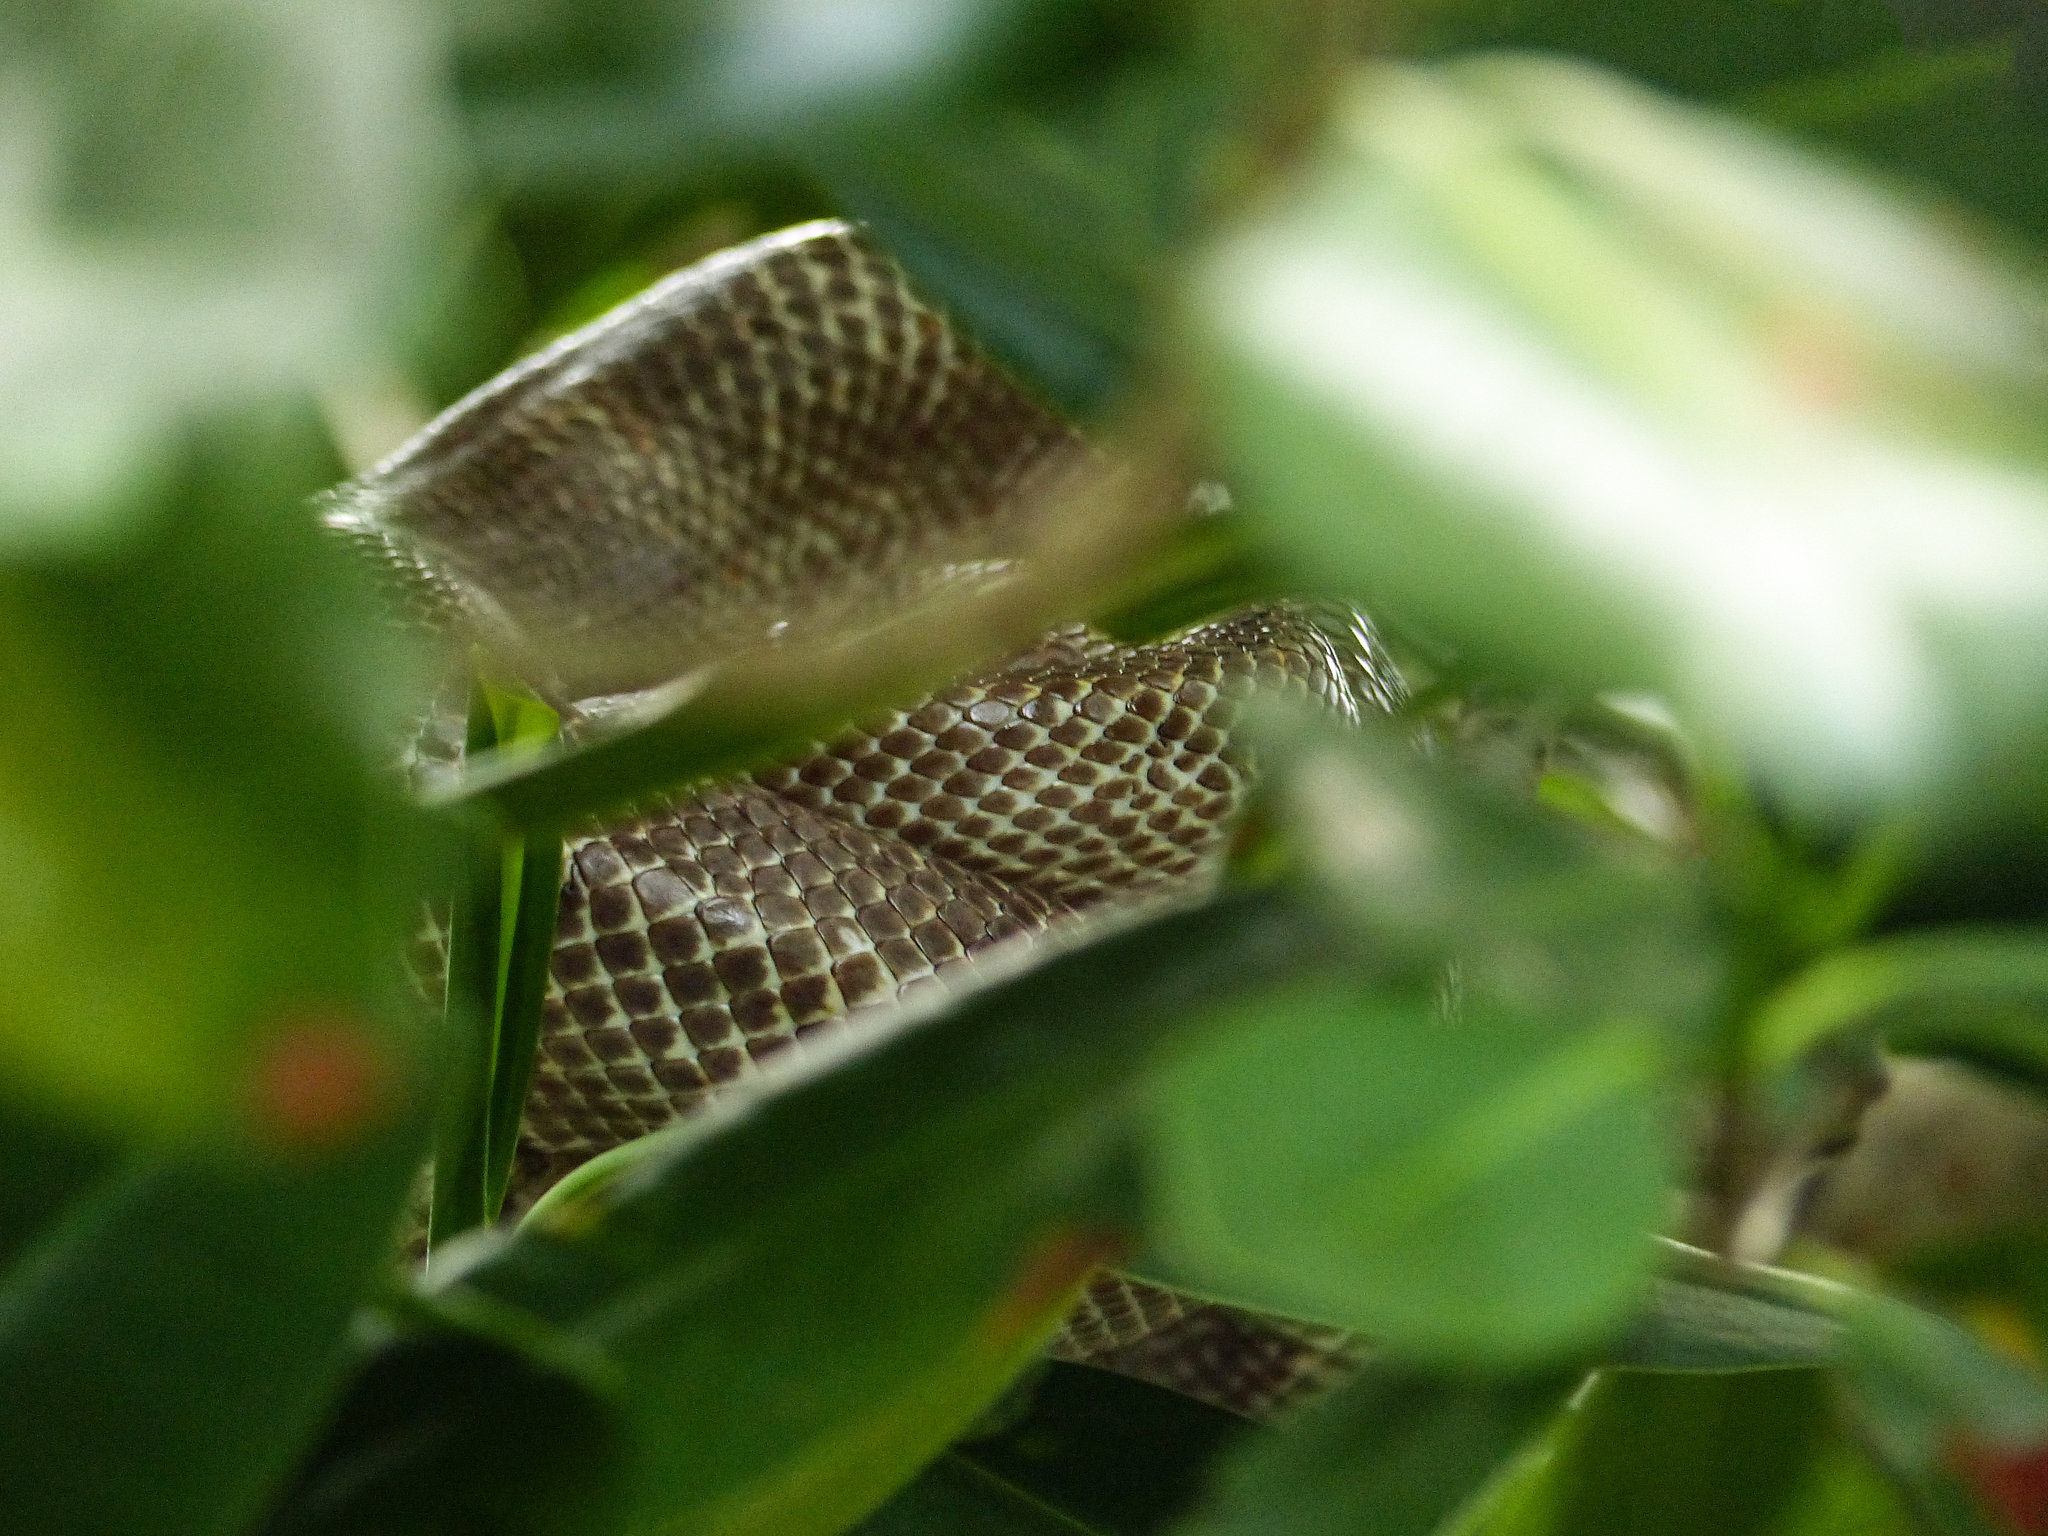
{"points": [[787, 432]]}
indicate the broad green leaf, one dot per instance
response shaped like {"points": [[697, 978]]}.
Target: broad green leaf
{"points": [[1336, 1153], [1689, 1454], [1396, 1454], [1692, 1327], [210, 203], [169, 1343], [1934, 1404], [1924, 1383], [1615, 393], [798, 1300], [213, 875], [1839, 1494], [1848, 1496], [441, 1435], [49, 1163]]}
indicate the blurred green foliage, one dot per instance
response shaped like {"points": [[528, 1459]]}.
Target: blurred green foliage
{"points": [[1677, 399]]}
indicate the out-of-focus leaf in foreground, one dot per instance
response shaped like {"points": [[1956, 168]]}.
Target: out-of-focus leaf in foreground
{"points": [[442, 1435], [176, 1269], [1335, 1154], [1692, 1327], [206, 202], [953, 1496], [1689, 1454], [1334, 1148], [799, 1300], [1611, 391], [213, 880], [1430, 864], [1106, 1450], [210, 875]]}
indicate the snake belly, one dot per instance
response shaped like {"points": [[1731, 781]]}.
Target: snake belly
{"points": [[785, 422]]}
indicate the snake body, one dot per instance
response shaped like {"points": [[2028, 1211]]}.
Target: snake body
{"points": [[786, 430]]}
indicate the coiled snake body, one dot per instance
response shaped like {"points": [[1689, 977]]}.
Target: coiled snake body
{"points": [[780, 430]]}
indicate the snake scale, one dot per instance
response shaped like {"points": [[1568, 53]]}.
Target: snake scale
{"points": [[786, 431]]}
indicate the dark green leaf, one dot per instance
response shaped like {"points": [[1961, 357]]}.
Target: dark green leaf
{"points": [[1115, 1454], [954, 1497], [1691, 1327], [532, 943], [439, 1436], [1397, 1454], [500, 937], [178, 1330], [799, 1299], [49, 1163]]}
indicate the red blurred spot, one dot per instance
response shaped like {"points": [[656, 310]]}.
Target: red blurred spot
{"points": [[318, 1083], [2014, 1483]]}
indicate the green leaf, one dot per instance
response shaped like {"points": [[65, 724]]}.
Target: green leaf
{"points": [[1396, 1454], [1692, 1327], [214, 877], [179, 1329], [1716, 1455], [500, 937], [1923, 1382], [1574, 379], [1739, 1448], [537, 862], [1105, 1450], [1932, 1402], [954, 1497], [439, 1435], [1334, 1153], [1938, 979], [49, 1163], [799, 1299]]}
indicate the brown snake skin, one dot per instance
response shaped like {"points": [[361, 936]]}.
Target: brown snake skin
{"points": [[781, 420]]}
